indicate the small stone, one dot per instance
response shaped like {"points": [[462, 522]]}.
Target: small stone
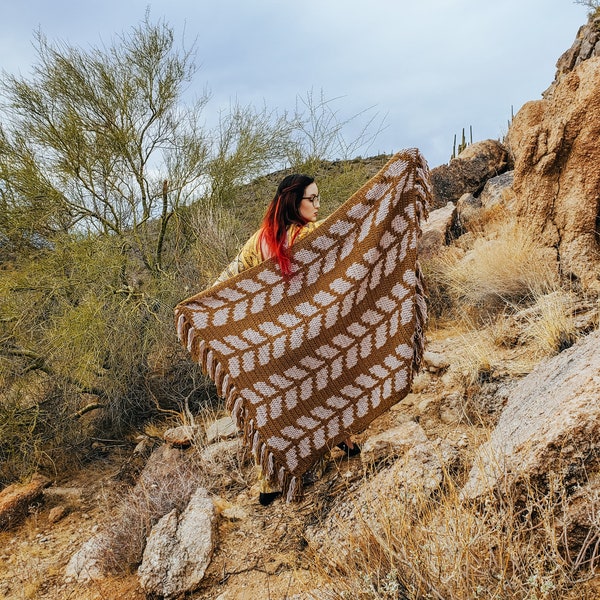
{"points": [[183, 436], [421, 382], [57, 513], [393, 442], [234, 513], [435, 361], [426, 405], [449, 415], [223, 428]]}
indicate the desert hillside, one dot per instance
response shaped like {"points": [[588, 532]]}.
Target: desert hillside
{"points": [[124, 477]]}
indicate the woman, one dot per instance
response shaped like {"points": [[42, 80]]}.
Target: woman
{"points": [[291, 215]]}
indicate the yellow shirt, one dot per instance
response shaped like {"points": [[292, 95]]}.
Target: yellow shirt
{"points": [[251, 253]]}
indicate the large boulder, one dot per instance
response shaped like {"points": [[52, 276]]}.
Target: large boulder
{"points": [[556, 152], [401, 491], [551, 422], [468, 172], [179, 549], [548, 441], [166, 483]]}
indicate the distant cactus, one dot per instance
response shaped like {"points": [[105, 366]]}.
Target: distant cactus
{"points": [[463, 144]]}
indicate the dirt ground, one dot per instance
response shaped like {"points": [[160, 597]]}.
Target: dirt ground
{"points": [[261, 552]]}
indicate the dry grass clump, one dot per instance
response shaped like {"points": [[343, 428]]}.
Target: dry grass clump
{"points": [[218, 236], [550, 324], [171, 485], [508, 268], [507, 546]]}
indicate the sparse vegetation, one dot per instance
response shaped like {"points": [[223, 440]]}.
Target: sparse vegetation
{"points": [[115, 205], [593, 7], [506, 266], [509, 545]]}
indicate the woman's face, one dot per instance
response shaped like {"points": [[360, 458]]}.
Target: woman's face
{"points": [[309, 206]]}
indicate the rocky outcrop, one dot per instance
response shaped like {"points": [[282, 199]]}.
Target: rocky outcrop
{"points": [[551, 421], [179, 549], [415, 476], [549, 429], [16, 499], [468, 172], [168, 480], [554, 142], [586, 45]]}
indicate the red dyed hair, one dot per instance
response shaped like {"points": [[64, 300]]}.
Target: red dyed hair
{"points": [[281, 213]]}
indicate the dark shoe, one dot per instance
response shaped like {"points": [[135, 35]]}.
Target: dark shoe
{"points": [[349, 451], [266, 498]]}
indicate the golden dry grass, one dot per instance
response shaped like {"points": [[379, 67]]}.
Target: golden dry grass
{"points": [[506, 546], [508, 268]]}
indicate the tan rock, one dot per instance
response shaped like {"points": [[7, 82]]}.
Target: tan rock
{"points": [[435, 361], [392, 443], [16, 499], [68, 495], [556, 153], [57, 513], [421, 382], [183, 436], [586, 45], [221, 429], [436, 230]]}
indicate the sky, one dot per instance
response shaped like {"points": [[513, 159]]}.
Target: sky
{"points": [[426, 69]]}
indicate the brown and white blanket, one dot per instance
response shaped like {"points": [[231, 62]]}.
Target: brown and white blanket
{"points": [[307, 359]]}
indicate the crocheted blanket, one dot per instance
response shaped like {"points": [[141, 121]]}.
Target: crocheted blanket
{"points": [[305, 360]]}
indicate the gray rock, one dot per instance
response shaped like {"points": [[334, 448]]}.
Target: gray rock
{"points": [[468, 172], [551, 423], [497, 190], [179, 549], [468, 209], [86, 564]]}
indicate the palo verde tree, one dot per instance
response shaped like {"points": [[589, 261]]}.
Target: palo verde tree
{"points": [[98, 141], [98, 155]]}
